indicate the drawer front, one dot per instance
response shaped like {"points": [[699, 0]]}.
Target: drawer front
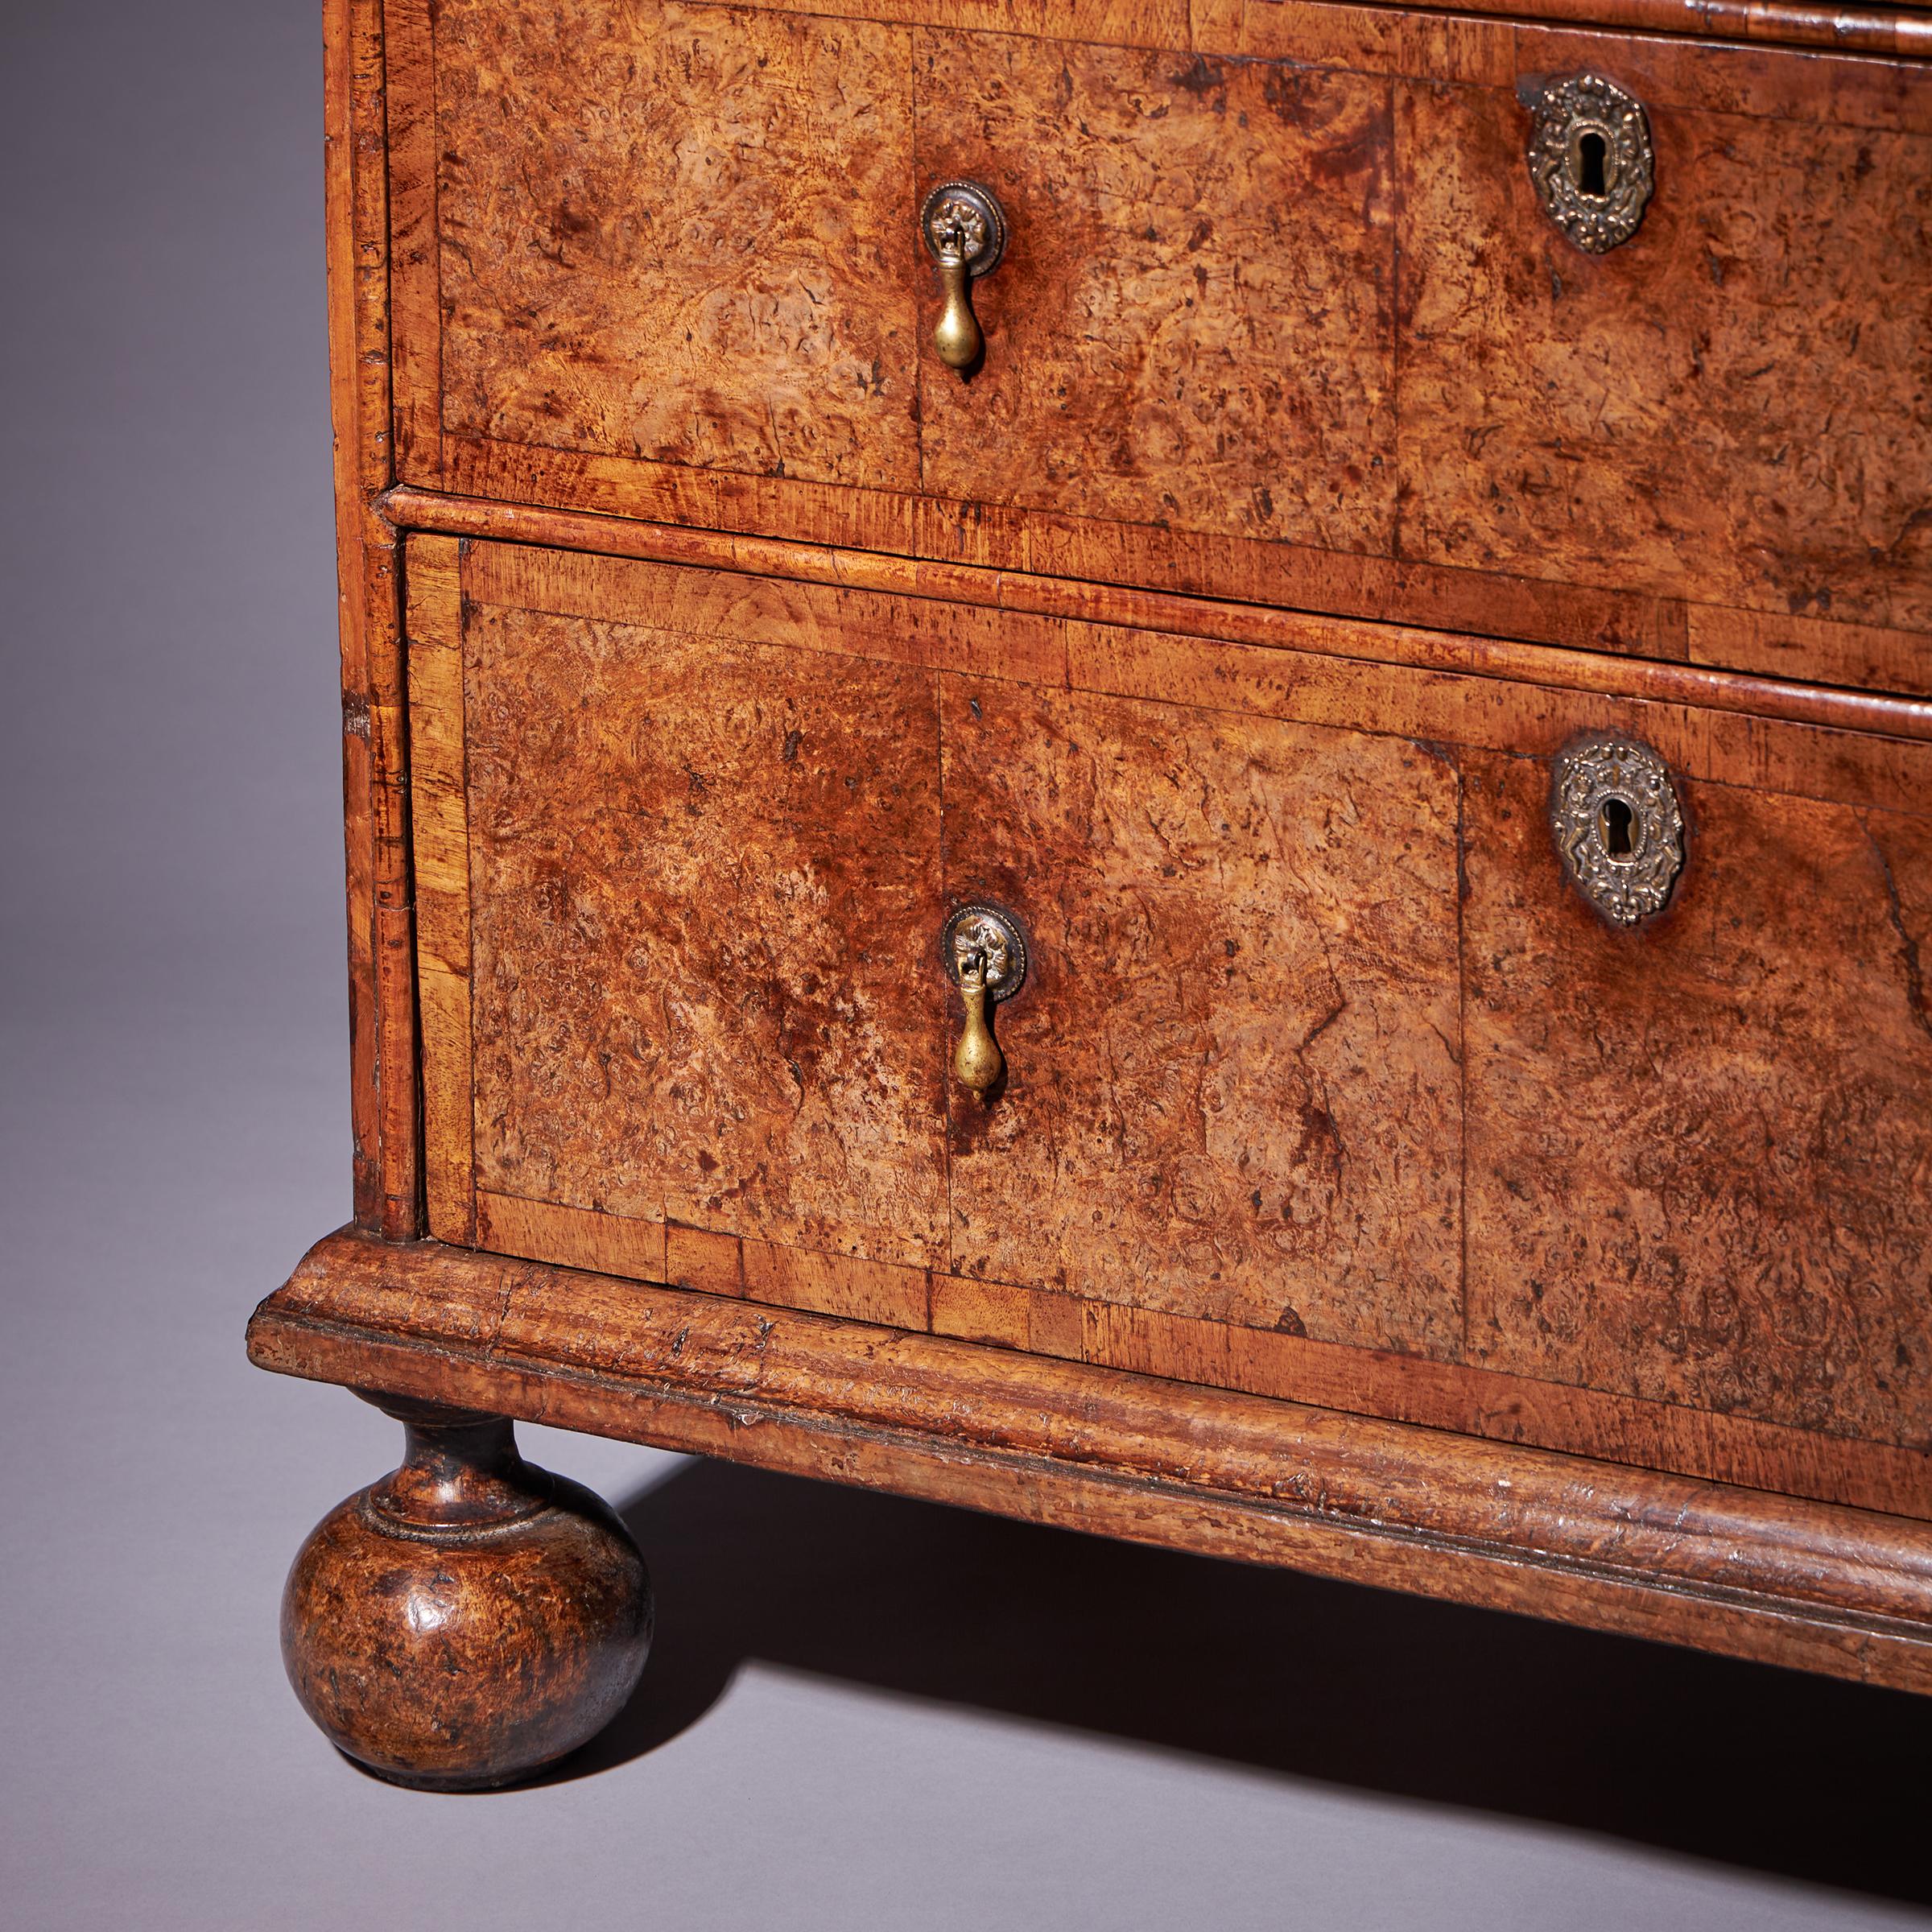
{"points": [[1733, 408], [709, 856], [704, 871], [1284, 320], [1698, 1155], [1193, 326], [1324, 1080], [1236, 1092], [679, 234]]}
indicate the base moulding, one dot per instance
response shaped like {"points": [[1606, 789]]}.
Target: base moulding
{"points": [[1740, 1571]]}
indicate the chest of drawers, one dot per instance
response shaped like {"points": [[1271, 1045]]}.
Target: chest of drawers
{"points": [[1165, 767]]}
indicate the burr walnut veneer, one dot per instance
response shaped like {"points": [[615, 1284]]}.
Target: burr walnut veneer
{"points": [[1165, 766]]}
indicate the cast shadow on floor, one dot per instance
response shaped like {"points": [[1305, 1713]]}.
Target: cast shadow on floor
{"points": [[1773, 1771]]}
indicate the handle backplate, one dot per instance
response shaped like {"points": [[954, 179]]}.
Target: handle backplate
{"points": [[961, 221]]}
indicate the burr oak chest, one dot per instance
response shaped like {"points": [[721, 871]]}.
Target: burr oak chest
{"points": [[1167, 766]]}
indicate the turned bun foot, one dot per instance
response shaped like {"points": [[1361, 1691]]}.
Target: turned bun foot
{"points": [[470, 1618]]}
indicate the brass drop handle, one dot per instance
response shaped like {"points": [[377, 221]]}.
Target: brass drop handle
{"points": [[965, 234], [985, 958], [957, 338], [978, 1062]]}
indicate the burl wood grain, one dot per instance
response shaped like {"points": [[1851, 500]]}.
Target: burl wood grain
{"points": [[706, 898], [1733, 1569], [677, 273], [1698, 1151], [706, 889], [467, 1618], [1734, 407], [1191, 326], [645, 960], [1218, 362], [678, 232], [1233, 1087]]}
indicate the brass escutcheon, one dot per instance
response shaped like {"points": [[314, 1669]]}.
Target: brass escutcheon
{"points": [[985, 958], [965, 234], [1619, 831], [1592, 160]]}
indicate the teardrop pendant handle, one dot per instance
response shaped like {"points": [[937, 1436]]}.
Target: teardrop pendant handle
{"points": [[964, 231], [977, 1062], [957, 338], [985, 958]]}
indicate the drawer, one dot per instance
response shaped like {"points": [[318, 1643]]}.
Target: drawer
{"points": [[1324, 1078], [1284, 320]]}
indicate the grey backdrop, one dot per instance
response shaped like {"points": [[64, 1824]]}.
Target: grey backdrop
{"points": [[865, 1713]]}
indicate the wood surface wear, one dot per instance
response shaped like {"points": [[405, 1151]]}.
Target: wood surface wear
{"points": [[1280, 318], [374, 758]]}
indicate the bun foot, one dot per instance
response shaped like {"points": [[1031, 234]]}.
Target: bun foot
{"points": [[469, 1619]]}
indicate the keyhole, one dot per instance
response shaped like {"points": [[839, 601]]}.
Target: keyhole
{"points": [[1615, 818], [1591, 152]]}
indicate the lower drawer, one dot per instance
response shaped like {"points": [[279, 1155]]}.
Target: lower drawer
{"points": [[1326, 1077]]}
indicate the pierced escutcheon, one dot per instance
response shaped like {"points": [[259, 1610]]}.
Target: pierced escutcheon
{"points": [[1592, 160], [985, 958], [1618, 828]]}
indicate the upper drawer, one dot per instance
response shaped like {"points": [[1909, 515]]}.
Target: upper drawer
{"points": [[1292, 326]]}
